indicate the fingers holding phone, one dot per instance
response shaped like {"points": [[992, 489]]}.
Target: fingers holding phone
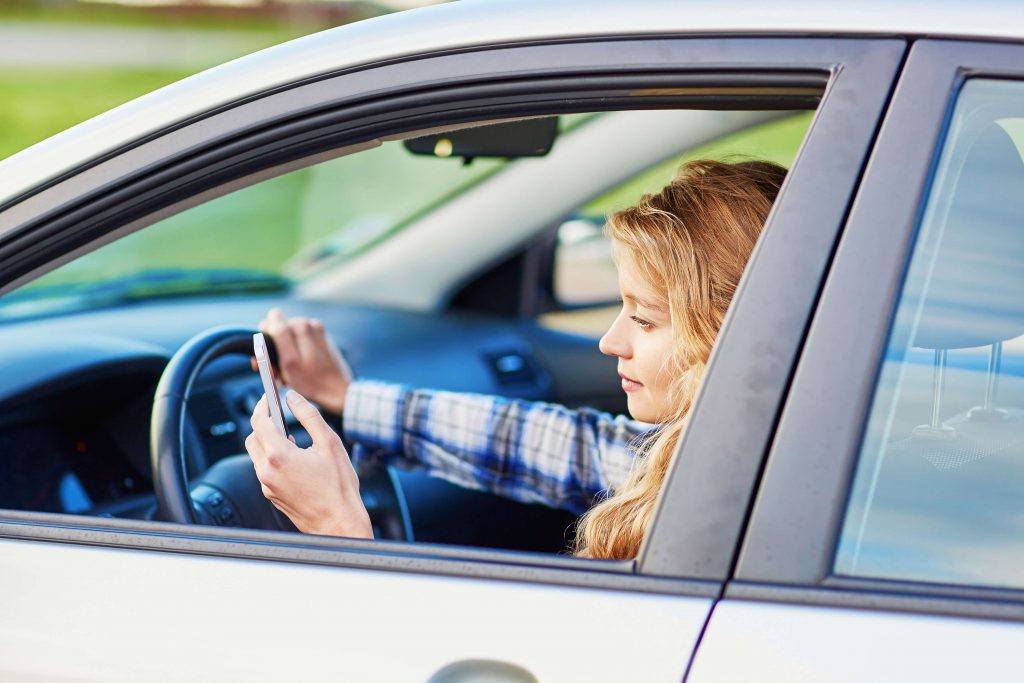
{"points": [[316, 487]]}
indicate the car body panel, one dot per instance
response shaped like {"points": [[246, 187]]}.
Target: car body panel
{"points": [[750, 641], [156, 616]]}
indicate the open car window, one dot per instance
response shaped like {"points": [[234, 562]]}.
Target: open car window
{"points": [[331, 241]]}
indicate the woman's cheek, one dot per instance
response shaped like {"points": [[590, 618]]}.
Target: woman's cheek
{"points": [[662, 371]]}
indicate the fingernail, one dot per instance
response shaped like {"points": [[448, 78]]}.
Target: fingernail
{"points": [[294, 397]]}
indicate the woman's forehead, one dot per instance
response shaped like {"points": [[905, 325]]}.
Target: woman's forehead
{"points": [[636, 288]]}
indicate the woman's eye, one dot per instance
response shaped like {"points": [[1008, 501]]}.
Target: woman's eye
{"points": [[644, 325]]}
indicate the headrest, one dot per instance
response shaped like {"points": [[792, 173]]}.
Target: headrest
{"points": [[975, 296]]}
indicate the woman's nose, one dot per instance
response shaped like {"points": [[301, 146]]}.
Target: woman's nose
{"points": [[613, 343]]}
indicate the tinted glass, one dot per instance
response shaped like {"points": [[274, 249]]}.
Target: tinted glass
{"points": [[585, 276], [262, 237], [938, 492]]}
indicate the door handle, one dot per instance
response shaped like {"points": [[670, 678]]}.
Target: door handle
{"points": [[482, 671]]}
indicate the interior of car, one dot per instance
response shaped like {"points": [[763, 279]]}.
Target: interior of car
{"points": [[466, 258]]}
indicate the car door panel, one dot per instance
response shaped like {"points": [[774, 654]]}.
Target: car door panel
{"points": [[134, 615], [795, 607], [404, 612], [750, 641]]}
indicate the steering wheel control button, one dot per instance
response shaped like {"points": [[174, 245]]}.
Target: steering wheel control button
{"points": [[247, 401], [223, 428], [227, 516], [213, 507]]}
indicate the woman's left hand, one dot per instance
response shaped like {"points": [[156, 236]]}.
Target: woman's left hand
{"points": [[316, 487]]}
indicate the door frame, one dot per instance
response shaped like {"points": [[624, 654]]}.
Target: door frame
{"points": [[789, 548], [693, 538]]}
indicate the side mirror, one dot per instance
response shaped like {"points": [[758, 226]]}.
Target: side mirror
{"points": [[511, 140], [584, 272]]}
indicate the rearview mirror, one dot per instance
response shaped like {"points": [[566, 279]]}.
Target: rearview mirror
{"points": [[511, 140]]}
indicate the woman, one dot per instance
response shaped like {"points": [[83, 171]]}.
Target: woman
{"points": [[680, 255]]}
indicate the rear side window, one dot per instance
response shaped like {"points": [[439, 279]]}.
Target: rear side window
{"points": [[938, 492]]}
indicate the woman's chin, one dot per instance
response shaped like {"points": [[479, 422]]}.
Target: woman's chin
{"points": [[639, 410]]}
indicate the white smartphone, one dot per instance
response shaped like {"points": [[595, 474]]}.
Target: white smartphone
{"points": [[259, 344]]}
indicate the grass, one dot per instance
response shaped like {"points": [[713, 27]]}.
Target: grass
{"points": [[251, 229], [41, 103], [230, 19], [346, 204]]}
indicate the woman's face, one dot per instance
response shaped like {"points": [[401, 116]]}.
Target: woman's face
{"points": [[641, 338]]}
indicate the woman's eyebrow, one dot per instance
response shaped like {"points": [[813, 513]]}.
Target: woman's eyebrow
{"points": [[644, 303]]}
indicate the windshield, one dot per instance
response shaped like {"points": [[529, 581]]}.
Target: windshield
{"points": [[261, 238]]}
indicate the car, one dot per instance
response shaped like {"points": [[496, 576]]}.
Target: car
{"points": [[844, 504]]}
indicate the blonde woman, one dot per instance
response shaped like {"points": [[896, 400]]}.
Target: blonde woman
{"points": [[680, 254]]}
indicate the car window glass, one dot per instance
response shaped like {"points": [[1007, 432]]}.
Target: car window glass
{"points": [[263, 236], [585, 282], [937, 489]]}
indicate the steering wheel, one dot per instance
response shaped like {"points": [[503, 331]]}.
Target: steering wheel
{"points": [[228, 493]]}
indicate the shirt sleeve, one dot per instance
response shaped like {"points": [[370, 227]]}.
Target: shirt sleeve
{"points": [[529, 451]]}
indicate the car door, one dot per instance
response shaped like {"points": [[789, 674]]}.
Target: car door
{"points": [[123, 600], [885, 541]]}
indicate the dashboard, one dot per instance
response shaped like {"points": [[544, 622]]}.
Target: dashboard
{"points": [[75, 406], [76, 445]]}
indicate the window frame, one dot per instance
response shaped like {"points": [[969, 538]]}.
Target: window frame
{"points": [[258, 138], [789, 549]]}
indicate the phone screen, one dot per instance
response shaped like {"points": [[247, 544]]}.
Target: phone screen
{"points": [[270, 385]]}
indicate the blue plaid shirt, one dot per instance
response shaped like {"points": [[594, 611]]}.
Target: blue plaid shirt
{"points": [[532, 452]]}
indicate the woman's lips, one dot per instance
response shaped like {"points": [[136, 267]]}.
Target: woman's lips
{"points": [[629, 384]]}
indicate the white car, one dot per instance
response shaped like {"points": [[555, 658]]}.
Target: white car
{"points": [[846, 503]]}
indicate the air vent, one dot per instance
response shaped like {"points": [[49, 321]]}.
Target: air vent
{"points": [[513, 368]]}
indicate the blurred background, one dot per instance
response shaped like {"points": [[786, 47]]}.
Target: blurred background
{"points": [[64, 61]]}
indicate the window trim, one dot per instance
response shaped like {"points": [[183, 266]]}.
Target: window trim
{"points": [[860, 70], [802, 501], [280, 546]]}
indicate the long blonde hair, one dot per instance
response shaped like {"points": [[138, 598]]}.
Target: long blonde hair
{"points": [[691, 241]]}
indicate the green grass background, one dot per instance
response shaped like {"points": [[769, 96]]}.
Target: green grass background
{"points": [[38, 103]]}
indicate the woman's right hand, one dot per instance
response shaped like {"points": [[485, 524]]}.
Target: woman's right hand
{"points": [[309, 359], [316, 487]]}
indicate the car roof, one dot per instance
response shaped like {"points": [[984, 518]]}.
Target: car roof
{"points": [[473, 22]]}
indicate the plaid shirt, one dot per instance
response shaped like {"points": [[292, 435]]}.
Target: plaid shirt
{"points": [[531, 452]]}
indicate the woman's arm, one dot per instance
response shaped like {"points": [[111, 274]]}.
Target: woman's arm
{"points": [[529, 451], [535, 452]]}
